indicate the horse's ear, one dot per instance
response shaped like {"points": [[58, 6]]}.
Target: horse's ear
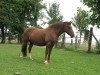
{"points": [[68, 23]]}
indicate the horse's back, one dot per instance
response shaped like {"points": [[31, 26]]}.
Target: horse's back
{"points": [[40, 36]]}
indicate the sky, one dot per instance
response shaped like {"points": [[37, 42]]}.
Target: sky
{"points": [[68, 8]]}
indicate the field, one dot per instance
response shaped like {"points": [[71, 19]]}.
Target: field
{"points": [[63, 62]]}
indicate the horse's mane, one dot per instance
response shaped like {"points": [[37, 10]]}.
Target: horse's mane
{"points": [[56, 25]]}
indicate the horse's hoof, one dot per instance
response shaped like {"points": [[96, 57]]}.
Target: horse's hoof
{"points": [[17, 73], [31, 59], [46, 62], [20, 56]]}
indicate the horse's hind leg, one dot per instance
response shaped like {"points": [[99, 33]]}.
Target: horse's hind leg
{"points": [[23, 50], [48, 50], [29, 48], [24, 47]]}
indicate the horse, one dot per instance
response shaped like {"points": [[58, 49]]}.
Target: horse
{"points": [[44, 37]]}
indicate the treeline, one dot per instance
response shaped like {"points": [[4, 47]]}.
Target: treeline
{"points": [[14, 15], [83, 19]]}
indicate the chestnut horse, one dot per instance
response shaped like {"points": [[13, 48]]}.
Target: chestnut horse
{"points": [[44, 37]]}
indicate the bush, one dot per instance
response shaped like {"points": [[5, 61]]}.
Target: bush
{"points": [[70, 48]]}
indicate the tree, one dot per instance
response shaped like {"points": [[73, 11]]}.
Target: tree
{"points": [[81, 21], [31, 10], [15, 13], [9, 16], [4, 19], [94, 6], [54, 13], [55, 16]]}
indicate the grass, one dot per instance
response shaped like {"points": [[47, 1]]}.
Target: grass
{"points": [[63, 62]]}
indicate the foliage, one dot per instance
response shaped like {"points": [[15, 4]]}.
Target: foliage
{"points": [[4, 19], [81, 19], [62, 62], [95, 10], [20, 11], [54, 13], [15, 13]]}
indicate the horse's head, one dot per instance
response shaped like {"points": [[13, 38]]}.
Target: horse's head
{"points": [[68, 29]]}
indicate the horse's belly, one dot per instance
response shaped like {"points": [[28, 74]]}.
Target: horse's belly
{"points": [[39, 43], [38, 38]]}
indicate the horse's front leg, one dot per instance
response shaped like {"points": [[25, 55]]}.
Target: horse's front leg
{"points": [[46, 55], [48, 52]]}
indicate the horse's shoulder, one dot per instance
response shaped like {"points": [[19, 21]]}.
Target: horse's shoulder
{"points": [[50, 35]]}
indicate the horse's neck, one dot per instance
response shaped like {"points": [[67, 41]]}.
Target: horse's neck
{"points": [[59, 31]]}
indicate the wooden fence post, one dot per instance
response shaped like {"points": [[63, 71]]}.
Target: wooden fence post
{"points": [[96, 39], [76, 39], [71, 41], [90, 39]]}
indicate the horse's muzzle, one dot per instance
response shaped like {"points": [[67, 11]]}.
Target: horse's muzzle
{"points": [[72, 36]]}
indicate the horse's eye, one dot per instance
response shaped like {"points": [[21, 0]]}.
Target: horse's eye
{"points": [[69, 28]]}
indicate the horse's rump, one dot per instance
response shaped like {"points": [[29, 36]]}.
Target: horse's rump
{"points": [[37, 37], [27, 32]]}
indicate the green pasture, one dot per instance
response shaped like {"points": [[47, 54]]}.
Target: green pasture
{"points": [[63, 62]]}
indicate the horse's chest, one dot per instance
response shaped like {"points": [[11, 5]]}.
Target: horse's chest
{"points": [[50, 38]]}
